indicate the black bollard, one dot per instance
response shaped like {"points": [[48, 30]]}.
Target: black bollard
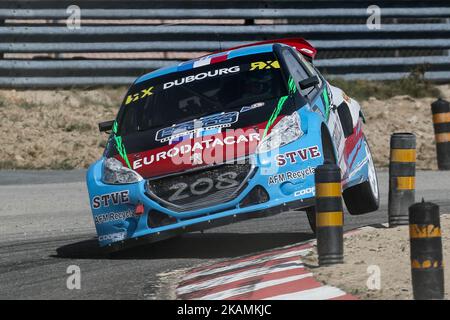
{"points": [[441, 123], [426, 251], [402, 171], [329, 220]]}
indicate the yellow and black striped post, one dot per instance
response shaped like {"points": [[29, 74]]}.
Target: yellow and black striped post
{"points": [[441, 123], [329, 219], [402, 171], [426, 251]]}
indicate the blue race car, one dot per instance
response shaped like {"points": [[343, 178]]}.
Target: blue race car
{"points": [[223, 138]]}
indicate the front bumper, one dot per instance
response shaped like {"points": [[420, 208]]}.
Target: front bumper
{"points": [[289, 185], [119, 227], [204, 225]]}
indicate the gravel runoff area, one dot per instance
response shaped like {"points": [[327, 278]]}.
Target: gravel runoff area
{"points": [[48, 129], [385, 248]]}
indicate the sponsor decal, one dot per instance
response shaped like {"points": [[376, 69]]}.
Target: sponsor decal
{"points": [[185, 153], [198, 127], [203, 186], [114, 198], [201, 76], [292, 89], [119, 145], [113, 237], [291, 86], [275, 114], [307, 51], [353, 144], [146, 92], [253, 106], [326, 102], [311, 190], [292, 157], [261, 65], [290, 175], [139, 95], [114, 216]]}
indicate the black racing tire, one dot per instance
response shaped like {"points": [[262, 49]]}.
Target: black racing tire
{"points": [[364, 197], [359, 199], [311, 214]]}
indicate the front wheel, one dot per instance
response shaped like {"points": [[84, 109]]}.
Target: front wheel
{"points": [[364, 197]]}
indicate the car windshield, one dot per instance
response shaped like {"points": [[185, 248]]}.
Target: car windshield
{"points": [[201, 91]]}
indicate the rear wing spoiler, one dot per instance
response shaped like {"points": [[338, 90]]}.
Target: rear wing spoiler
{"points": [[300, 44]]}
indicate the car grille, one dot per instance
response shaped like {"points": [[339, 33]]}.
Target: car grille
{"points": [[198, 189]]}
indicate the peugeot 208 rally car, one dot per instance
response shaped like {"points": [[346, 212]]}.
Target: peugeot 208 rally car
{"points": [[229, 136]]}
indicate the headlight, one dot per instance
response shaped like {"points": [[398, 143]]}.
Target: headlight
{"points": [[115, 173], [284, 132]]}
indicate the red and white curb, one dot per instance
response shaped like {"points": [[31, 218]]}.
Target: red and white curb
{"points": [[274, 275]]}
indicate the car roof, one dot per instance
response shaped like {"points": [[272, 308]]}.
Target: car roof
{"points": [[208, 59]]}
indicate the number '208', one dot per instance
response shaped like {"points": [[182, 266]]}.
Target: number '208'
{"points": [[203, 185]]}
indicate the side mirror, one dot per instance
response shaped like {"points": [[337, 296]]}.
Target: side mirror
{"points": [[105, 126], [309, 82]]}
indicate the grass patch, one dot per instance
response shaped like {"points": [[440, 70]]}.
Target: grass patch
{"points": [[414, 85]]}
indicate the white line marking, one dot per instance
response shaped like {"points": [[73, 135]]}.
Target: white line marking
{"points": [[253, 287], [320, 293], [288, 254], [239, 276]]}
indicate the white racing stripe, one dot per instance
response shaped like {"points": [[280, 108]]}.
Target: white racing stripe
{"points": [[202, 62], [320, 293], [289, 254], [239, 276], [253, 287]]}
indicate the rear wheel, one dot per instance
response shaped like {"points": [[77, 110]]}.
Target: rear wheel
{"points": [[364, 197]]}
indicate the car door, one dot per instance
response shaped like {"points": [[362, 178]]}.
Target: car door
{"points": [[320, 100]]}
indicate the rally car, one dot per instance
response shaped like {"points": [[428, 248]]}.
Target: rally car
{"points": [[226, 137]]}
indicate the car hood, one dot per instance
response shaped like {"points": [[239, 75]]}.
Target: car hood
{"points": [[210, 140]]}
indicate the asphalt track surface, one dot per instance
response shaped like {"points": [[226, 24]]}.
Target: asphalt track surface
{"points": [[46, 226]]}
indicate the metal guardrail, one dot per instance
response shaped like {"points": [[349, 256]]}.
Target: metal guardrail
{"points": [[219, 31], [414, 28], [224, 13], [124, 67], [188, 46]]}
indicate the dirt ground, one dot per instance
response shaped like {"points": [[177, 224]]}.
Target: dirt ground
{"points": [[48, 129], [54, 129], [383, 247], [401, 114]]}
